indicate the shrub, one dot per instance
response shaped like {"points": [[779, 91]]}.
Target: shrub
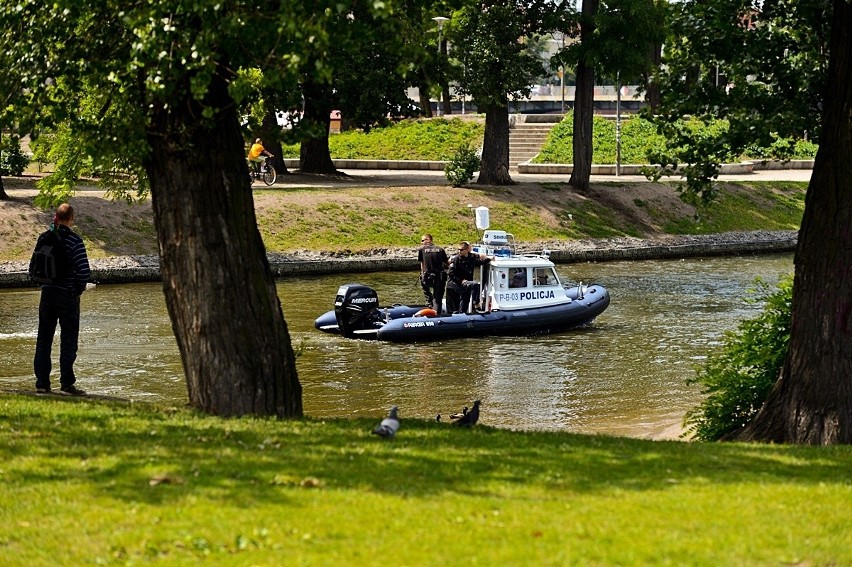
{"points": [[13, 161], [461, 167], [738, 377]]}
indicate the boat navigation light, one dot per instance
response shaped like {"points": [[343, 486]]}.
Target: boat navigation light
{"points": [[545, 253]]}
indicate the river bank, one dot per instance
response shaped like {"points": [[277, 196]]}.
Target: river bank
{"points": [[362, 222], [145, 268]]}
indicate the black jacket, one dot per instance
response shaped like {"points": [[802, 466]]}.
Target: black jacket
{"points": [[461, 268]]}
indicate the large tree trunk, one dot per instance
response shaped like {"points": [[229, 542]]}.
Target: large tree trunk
{"points": [[584, 106], [219, 290], [314, 155], [494, 168], [812, 401], [270, 133]]}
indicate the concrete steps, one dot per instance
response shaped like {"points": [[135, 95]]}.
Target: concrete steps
{"points": [[526, 139]]}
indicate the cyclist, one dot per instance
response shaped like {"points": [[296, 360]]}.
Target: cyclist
{"points": [[257, 155]]}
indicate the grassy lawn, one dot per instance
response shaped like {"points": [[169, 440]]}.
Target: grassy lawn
{"points": [[88, 482]]}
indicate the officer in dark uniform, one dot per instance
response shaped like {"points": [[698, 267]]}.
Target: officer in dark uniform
{"points": [[433, 275], [460, 284]]}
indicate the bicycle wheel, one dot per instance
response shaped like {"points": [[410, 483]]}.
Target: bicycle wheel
{"points": [[269, 175]]}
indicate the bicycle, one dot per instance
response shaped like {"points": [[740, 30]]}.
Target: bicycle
{"points": [[265, 172]]}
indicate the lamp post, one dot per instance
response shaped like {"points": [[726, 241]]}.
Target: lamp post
{"points": [[617, 123], [440, 20]]}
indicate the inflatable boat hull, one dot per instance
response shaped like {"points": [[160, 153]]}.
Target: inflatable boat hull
{"points": [[399, 324]]}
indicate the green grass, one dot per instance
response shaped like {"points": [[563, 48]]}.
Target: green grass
{"points": [[639, 138], [435, 139], [396, 221], [764, 206], [87, 482]]}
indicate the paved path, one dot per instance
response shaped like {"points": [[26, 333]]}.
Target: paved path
{"points": [[367, 177]]}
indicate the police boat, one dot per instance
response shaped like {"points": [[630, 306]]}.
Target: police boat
{"points": [[520, 295]]}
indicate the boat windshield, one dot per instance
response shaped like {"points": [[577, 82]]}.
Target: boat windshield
{"points": [[545, 277]]}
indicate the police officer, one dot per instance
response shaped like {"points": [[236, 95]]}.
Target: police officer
{"points": [[433, 276], [460, 285]]}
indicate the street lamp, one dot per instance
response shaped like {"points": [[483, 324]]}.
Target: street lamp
{"points": [[440, 20]]}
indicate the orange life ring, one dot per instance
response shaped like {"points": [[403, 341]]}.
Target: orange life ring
{"points": [[426, 313]]}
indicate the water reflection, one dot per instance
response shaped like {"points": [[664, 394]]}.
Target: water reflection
{"points": [[624, 375]]}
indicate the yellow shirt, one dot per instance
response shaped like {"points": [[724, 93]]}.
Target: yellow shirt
{"points": [[255, 151]]}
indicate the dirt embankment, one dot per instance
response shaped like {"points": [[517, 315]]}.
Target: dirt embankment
{"points": [[122, 236]]}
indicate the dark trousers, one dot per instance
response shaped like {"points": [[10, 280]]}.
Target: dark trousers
{"points": [[63, 307], [459, 296], [433, 290]]}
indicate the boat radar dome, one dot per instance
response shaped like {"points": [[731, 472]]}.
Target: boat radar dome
{"points": [[482, 220]]}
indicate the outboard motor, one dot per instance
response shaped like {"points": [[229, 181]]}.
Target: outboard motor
{"points": [[356, 309]]}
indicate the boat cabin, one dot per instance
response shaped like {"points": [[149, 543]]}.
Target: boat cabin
{"points": [[511, 281]]}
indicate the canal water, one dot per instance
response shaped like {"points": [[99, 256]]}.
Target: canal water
{"points": [[624, 375]]}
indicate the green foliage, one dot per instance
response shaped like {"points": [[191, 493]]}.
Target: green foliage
{"points": [[499, 63], [782, 149], [462, 166], [435, 139], [13, 161], [738, 377], [762, 70], [114, 164], [642, 142], [625, 32]]}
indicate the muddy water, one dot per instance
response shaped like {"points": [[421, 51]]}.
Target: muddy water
{"points": [[624, 375]]}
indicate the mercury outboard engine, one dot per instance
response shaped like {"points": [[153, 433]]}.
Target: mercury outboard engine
{"points": [[356, 309]]}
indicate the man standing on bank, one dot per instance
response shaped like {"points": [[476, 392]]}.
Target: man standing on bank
{"points": [[60, 302], [433, 276]]}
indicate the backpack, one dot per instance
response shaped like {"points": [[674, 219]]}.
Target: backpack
{"points": [[50, 263]]}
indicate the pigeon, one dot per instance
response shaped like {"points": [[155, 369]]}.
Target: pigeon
{"points": [[470, 418], [389, 425], [456, 416]]}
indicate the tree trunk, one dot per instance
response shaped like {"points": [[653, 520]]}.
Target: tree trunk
{"points": [[219, 289], [653, 98], [584, 106], [425, 103], [314, 155], [270, 133], [494, 168], [812, 401]]}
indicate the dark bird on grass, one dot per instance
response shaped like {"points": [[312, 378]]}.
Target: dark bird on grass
{"points": [[470, 418], [389, 425], [456, 416]]}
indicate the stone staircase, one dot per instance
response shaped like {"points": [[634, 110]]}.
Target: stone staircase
{"points": [[528, 134]]}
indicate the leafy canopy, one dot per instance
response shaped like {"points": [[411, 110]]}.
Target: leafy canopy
{"points": [[760, 65]]}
